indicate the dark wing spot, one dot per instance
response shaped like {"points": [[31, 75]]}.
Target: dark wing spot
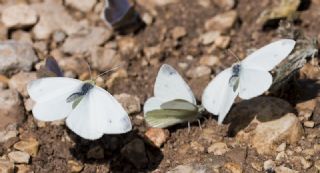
{"points": [[169, 70]]}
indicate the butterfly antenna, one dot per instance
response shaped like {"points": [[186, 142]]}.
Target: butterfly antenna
{"points": [[114, 68], [89, 70], [233, 54]]}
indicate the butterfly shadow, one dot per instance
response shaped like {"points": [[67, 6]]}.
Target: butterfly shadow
{"points": [[304, 90], [263, 108], [119, 151]]}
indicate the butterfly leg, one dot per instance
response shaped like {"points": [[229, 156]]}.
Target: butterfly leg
{"points": [[199, 123]]}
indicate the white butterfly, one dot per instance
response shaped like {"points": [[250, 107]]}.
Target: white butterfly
{"points": [[90, 110], [248, 78], [173, 100]]}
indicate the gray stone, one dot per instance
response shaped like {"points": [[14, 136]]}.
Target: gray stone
{"points": [[53, 19], [9, 132], [20, 81], [16, 56], [11, 108], [84, 42]]}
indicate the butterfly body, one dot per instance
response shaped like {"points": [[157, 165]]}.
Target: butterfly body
{"points": [[234, 79], [85, 88]]}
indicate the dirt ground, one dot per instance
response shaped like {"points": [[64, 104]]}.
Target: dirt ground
{"points": [[58, 145]]}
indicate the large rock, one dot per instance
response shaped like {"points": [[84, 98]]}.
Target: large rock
{"points": [[135, 152], [262, 108], [84, 5], [16, 56], [20, 15], [54, 17], [265, 136], [11, 108], [20, 81], [82, 43]]}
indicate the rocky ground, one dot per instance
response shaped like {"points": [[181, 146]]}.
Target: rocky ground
{"points": [[278, 133]]}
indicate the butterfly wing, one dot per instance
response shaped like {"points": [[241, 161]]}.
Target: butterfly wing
{"points": [[253, 83], [171, 112], [98, 113], [169, 85], [50, 95], [152, 104], [218, 96], [179, 104], [267, 57], [162, 118], [52, 65], [50, 69]]}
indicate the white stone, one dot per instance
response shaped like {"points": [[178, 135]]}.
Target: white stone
{"points": [[20, 15], [83, 5], [19, 157], [53, 19], [16, 56]]}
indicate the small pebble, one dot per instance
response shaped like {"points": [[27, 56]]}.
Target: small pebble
{"points": [[269, 165], [199, 71], [30, 146], [218, 148], [19, 157], [74, 166], [178, 32], [209, 37], [309, 124], [209, 60], [157, 136], [6, 166], [222, 41]]}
